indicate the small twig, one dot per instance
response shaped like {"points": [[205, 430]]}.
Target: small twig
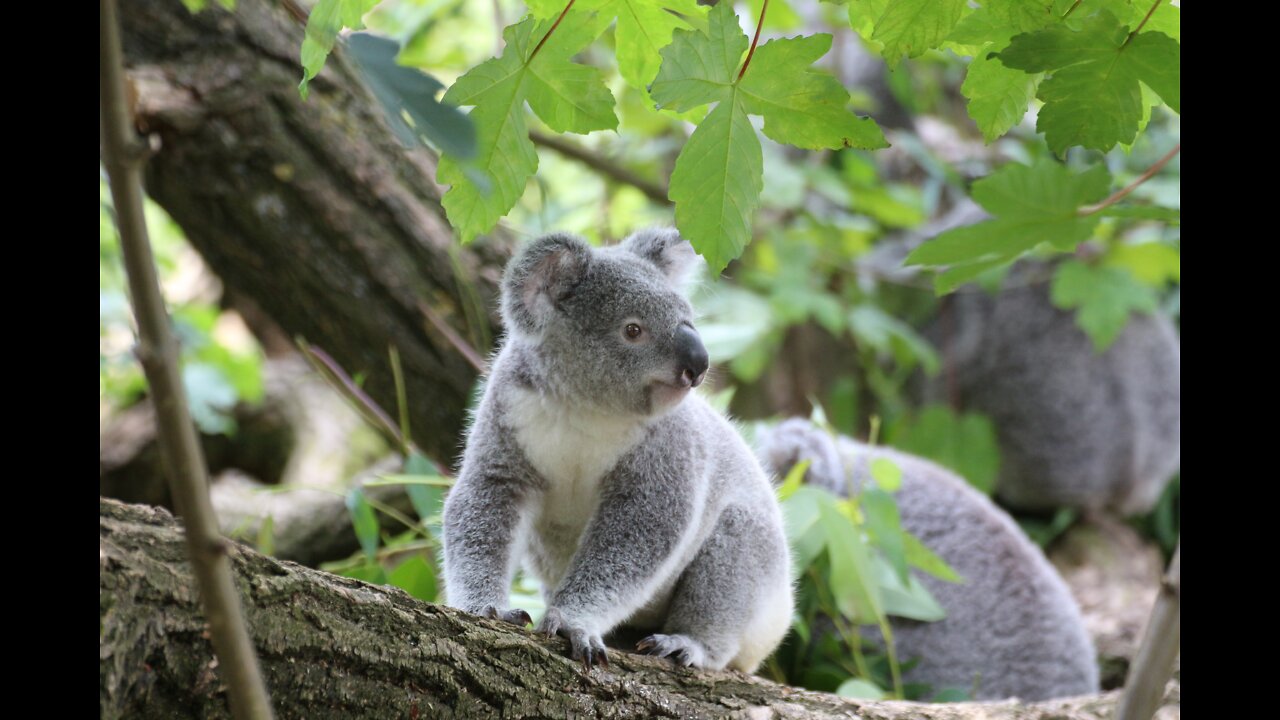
{"points": [[359, 399], [402, 398], [1145, 18], [464, 348], [759, 24], [554, 25], [184, 464], [651, 190], [1121, 194], [1153, 665]]}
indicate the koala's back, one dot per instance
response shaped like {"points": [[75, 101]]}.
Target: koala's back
{"points": [[1012, 628], [1075, 427]]}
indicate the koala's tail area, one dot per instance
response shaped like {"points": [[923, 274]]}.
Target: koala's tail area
{"points": [[796, 440]]}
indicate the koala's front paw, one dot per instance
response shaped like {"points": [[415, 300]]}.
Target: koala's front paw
{"points": [[587, 646], [515, 616], [681, 648]]}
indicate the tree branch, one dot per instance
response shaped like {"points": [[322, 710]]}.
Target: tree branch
{"points": [[1121, 194], [157, 350], [1154, 663], [334, 647], [651, 190]]}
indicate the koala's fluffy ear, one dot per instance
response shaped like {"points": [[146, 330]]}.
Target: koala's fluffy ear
{"points": [[541, 276], [664, 247]]}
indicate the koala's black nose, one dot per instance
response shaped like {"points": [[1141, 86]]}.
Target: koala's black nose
{"points": [[691, 355]]}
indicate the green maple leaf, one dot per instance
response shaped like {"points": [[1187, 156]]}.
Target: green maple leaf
{"points": [[1103, 297], [998, 96], [1093, 97], [567, 96], [1032, 204], [644, 28], [801, 107], [326, 20], [718, 177], [717, 182], [907, 28]]}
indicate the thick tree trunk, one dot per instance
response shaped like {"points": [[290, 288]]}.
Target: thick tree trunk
{"points": [[331, 647], [311, 209]]}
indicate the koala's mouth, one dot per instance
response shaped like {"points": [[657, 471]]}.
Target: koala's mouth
{"points": [[664, 394]]}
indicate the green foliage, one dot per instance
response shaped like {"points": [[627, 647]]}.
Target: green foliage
{"points": [[907, 28], [408, 98], [198, 5], [998, 96], [406, 560], [853, 559], [644, 27], [569, 97], [965, 443], [1102, 297], [721, 166], [1093, 97], [326, 20], [1032, 204]]}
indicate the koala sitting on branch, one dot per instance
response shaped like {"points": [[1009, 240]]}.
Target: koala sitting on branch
{"points": [[591, 462]]}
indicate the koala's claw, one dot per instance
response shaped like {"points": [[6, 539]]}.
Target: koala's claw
{"points": [[681, 648], [515, 616], [587, 647]]}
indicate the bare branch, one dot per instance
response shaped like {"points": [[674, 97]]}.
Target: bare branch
{"points": [[157, 350]]}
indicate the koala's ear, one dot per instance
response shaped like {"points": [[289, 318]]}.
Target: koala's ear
{"points": [[664, 247], [541, 276]]}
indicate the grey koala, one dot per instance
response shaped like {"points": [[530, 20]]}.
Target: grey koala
{"points": [[1012, 627], [591, 462], [1075, 427]]}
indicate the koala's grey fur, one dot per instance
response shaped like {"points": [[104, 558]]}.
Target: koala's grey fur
{"points": [[1012, 627], [591, 463], [1075, 427]]}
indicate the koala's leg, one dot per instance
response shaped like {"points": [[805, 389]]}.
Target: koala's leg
{"points": [[733, 602], [483, 524]]}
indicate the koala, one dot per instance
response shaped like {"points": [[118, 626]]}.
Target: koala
{"points": [[1075, 427], [591, 463], [1012, 628]]}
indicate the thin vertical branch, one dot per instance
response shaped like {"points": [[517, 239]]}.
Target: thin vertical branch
{"points": [[123, 155], [1153, 665]]}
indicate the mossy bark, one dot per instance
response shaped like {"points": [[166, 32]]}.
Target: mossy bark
{"points": [[333, 647]]}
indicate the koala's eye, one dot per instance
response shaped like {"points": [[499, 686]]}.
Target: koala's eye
{"points": [[632, 331]]}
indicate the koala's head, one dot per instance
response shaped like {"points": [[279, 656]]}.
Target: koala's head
{"points": [[610, 326]]}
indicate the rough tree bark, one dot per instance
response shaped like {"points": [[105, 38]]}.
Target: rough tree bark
{"points": [[337, 648], [313, 210]]}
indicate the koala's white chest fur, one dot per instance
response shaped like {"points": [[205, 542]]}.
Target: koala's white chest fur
{"points": [[572, 450]]}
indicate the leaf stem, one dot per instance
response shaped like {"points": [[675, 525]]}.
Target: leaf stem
{"points": [[759, 24], [1145, 18], [1120, 195], [1071, 9], [554, 25]]}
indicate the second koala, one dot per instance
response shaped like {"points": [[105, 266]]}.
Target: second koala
{"points": [[592, 463], [1012, 628]]}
